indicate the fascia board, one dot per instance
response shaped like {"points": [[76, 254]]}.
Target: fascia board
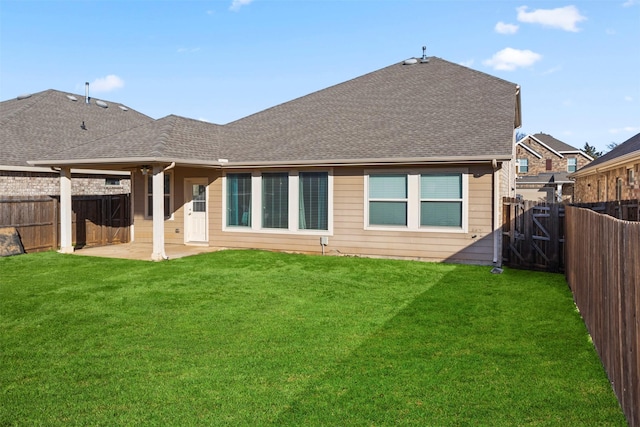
{"points": [[371, 162], [578, 152], [74, 170], [547, 147], [126, 161], [529, 149], [608, 165]]}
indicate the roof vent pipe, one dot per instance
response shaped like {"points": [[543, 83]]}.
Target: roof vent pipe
{"points": [[86, 92], [424, 59]]}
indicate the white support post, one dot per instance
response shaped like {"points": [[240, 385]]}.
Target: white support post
{"points": [[66, 237], [158, 214]]}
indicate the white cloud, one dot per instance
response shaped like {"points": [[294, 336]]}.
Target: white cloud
{"points": [[503, 28], [552, 70], [628, 98], [564, 18], [630, 129], [237, 4], [107, 84], [509, 59], [467, 63], [630, 3]]}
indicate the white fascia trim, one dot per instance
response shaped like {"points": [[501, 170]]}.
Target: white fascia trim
{"points": [[547, 147], [127, 161], [605, 166], [76, 171], [426, 161], [578, 152], [529, 149]]}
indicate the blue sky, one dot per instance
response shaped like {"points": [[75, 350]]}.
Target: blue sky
{"points": [[578, 62]]}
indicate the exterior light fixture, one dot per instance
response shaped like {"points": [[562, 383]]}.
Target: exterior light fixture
{"points": [[145, 169]]}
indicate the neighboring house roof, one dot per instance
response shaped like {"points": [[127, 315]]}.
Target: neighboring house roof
{"points": [[437, 111], [45, 123], [545, 178], [554, 145], [628, 150]]}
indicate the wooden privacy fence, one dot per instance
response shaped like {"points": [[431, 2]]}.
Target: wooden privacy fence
{"points": [[97, 220], [603, 272], [533, 234]]}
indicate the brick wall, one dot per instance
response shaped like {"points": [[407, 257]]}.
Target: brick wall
{"points": [[587, 188], [538, 166], [31, 184]]}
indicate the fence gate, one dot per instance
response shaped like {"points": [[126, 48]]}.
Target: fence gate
{"points": [[533, 235]]}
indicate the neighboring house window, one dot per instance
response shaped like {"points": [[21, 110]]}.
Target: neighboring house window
{"points": [[441, 200], [523, 165], [572, 164], [619, 189], [549, 164], [630, 177], [281, 202], [239, 199], [418, 200], [167, 195], [388, 199], [313, 200], [110, 182], [275, 200]]}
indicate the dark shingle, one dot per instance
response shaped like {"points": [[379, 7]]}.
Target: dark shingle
{"points": [[49, 122], [631, 145], [433, 110]]}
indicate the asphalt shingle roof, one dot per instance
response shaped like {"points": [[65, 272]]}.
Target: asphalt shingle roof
{"points": [[631, 145], [554, 143], [432, 110], [49, 122], [427, 110]]}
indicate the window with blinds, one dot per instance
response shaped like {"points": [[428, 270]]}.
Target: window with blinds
{"points": [[313, 200], [275, 200], [417, 200], [388, 199], [441, 200], [239, 199]]}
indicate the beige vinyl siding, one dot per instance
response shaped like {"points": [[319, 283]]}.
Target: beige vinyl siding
{"points": [[173, 227], [349, 236]]}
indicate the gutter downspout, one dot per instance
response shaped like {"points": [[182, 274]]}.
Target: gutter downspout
{"points": [[496, 217]]}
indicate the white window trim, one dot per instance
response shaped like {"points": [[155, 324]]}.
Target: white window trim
{"points": [[293, 205], [413, 202], [575, 165], [519, 166], [171, 196]]}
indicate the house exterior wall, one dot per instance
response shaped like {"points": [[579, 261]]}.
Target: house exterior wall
{"points": [[30, 184], [349, 235], [539, 165], [601, 186]]}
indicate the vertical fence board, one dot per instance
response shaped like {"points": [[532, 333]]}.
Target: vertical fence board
{"points": [[603, 272], [37, 220]]}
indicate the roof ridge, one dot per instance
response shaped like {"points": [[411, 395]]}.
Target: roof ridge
{"points": [[165, 132]]}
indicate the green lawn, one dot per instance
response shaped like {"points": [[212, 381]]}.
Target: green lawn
{"points": [[259, 338]]}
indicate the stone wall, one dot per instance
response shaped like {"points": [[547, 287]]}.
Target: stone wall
{"points": [[30, 184]]}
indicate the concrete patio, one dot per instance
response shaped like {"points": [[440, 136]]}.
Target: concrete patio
{"points": [[141, 251]]}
